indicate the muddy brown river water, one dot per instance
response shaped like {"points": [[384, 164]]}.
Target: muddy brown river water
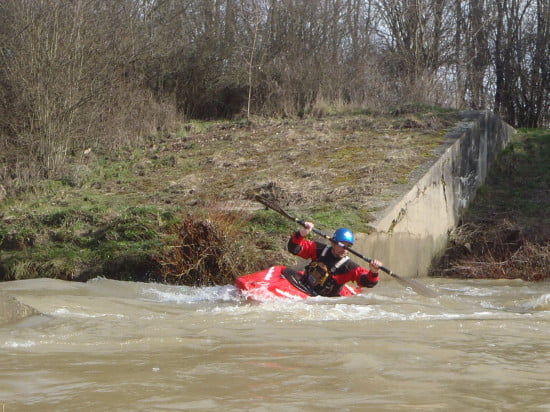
{"points": [[119, 346]]}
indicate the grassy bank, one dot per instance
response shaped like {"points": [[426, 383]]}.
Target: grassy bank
{"points": [[506, 232], [179, 208]]}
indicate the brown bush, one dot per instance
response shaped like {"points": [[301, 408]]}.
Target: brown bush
{"points": [[497, 249], [210, 249]]}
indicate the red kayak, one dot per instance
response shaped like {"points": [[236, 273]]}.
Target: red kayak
{"points": [[270, 283]]}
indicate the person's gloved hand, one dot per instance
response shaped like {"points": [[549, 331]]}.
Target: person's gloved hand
{"points": [[374, 265], [306, 229]]}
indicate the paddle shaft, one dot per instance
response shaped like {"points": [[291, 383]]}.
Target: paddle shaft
{"points": [[418, 287]]}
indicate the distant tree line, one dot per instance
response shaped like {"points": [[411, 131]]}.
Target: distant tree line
{"points": [[78, 74]]}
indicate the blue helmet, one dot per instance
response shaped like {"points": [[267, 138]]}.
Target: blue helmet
{"points": [[344, 235]]}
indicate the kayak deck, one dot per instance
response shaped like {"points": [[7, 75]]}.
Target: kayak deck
{"points": [[270, 283]]}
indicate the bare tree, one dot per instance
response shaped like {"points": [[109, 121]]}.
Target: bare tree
{"points": [[417, 37], [477, 52], [69, 67], [522, 56], [78, 73]]}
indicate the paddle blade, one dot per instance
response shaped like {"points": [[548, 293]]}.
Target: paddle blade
{"points": [[416, 286]]}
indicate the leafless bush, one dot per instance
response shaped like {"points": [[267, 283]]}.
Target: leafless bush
{"points": [[67, 71], [495, 250], [210, 249]]}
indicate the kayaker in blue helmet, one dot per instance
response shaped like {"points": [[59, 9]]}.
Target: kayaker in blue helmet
{"points": [[330, 267]]}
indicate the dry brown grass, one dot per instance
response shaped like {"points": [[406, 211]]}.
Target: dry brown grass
{"points": [[496, 249], [210, 248]]}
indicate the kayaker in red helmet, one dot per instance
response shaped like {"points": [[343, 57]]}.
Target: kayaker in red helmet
{"points": [[330, 267]]}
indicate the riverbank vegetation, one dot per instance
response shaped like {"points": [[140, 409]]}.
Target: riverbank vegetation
{"points": [[149, 216], [179, 208], [80, 75], [506, 231]]}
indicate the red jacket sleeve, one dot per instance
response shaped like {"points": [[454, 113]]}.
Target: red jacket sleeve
{"points": [[300, 246], [359, 275]]}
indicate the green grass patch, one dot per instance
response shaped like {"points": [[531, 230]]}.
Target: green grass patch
{"points": [[71, 243], [270, 222], [330, 217], [519, 182]]}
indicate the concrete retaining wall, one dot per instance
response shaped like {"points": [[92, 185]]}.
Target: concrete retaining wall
{"points": [[413, 231]]}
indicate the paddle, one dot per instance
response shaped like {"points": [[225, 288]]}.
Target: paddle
{"points": [[413, 284]]}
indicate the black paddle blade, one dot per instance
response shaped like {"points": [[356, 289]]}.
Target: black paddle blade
{"points": [[274, 206], [267, 203]]}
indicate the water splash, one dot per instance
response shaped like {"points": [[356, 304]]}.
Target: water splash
{"points": [[190, 295], [539, 303]]}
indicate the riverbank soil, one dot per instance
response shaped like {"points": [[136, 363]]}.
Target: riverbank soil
{"points": [[506, 231], [180, 209]]}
